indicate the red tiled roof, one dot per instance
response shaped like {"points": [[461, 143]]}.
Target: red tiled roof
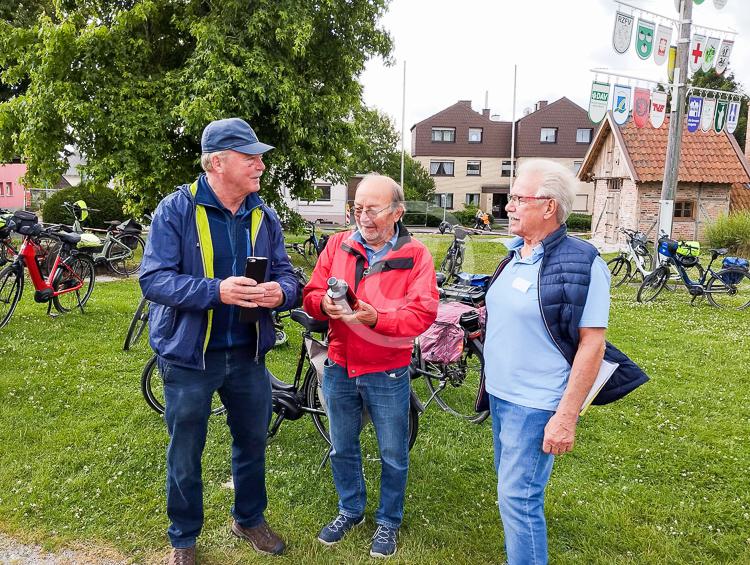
{"points": [[739, 198], [704, 157]]}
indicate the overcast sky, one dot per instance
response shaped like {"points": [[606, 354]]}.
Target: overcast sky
{"points": [[457, 50]]}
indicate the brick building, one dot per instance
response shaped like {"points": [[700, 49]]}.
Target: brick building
{"points": [[469, 154], [625, 165]]}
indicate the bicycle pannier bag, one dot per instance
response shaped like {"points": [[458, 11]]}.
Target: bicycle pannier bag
{"points": [[667, 247], [26, 222], [474, 280], [6, 225], [689, 249], [89, 241], [130, 226], [443, 341], [735, 277]]}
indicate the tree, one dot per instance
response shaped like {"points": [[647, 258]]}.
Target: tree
{"points": [[374, 150], [132, 83], [726, 82]]}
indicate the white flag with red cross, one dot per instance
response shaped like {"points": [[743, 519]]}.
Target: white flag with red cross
{"points": [[697, 48]]}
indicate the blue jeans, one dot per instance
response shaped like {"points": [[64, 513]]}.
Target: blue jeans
{"points": [[523, 470], [245, 389], [386, 396]]}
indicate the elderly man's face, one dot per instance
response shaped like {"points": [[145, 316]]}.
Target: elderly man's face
{"points": [[241, 171], [526, 213], [373, 211]]}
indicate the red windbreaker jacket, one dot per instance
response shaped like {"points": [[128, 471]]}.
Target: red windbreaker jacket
{"points": [[401, 287]]}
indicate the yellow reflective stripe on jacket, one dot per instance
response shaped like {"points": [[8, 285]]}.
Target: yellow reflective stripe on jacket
{"points": [[207, 252], [256, 218]]}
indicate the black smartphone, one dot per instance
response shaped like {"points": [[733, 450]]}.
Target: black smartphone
{"points": [[255, 269]]}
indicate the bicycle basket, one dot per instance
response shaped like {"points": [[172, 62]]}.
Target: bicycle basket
{"points": [[471, 295], [640, 239], [26, 223]]}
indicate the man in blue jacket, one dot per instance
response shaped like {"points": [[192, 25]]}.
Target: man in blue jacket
{"points": [[193, 273]]}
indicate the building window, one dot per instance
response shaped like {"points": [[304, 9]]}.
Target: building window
{"points": [[475, 135], [443, 200], [8, 189], [441, 168], [472, 199], [549, 135], [684, 209], [473, 168], [583, 135], [444, 135], [324, 190], [505, 169], [577, 166]]}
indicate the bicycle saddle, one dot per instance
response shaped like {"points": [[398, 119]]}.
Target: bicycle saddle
{"points": [[71, 238], [719, 251], [308, 322], [276, 384], [113, 223]]}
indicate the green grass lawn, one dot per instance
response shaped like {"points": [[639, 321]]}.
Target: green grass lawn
{"points": [[658, 477]]}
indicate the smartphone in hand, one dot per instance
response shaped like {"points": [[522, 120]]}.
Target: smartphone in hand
{"points": [[255, 269]]}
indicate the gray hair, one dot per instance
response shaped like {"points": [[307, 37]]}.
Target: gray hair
{"points": [[206, 159], [558, 183], [397, 194]]}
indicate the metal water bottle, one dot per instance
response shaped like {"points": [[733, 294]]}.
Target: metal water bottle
{"points": [[342, 295]]}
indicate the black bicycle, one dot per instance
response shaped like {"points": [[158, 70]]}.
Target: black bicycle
{"points": [[726, 288], [454, 257], [310, 248]]}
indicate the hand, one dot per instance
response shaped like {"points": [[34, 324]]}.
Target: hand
{"points": [[365, 314], [559, 434], [246, 292]]}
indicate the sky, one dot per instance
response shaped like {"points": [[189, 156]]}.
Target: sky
{"points": [[458, 50]]}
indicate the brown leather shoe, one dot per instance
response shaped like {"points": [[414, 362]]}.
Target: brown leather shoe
{"points": [[261, 537], [182, 556]]}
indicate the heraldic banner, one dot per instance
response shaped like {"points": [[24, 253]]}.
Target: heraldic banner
{"points": [[733, 116], [644, 38], [621, 103], [641, 106], [695, 55], [658, 108], [661, 44], [722, 60], [720, 117], [707, 115], [623, 32], [709, 57], [599, 101], [695, 108]]}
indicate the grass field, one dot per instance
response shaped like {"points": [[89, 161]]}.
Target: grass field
{"points": [[658, 477]]}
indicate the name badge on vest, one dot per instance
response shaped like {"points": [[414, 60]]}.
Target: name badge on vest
{"points": [[521, 284]]}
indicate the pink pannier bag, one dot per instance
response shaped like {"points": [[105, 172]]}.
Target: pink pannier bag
{"points": [[443, 341]]}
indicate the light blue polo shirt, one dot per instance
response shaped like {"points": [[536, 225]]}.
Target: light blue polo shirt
{"points": [[372, 255], [522, 363]]}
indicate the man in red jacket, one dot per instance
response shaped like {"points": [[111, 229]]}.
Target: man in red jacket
{"points": [[369, 351]]}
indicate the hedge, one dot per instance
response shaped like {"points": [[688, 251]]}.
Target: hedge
{"points": [[103, 199], [732, 232]]}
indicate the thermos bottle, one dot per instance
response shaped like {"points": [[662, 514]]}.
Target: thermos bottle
{"points": [[342, 295]]}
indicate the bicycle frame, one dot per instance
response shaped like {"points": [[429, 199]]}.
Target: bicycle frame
{"points": [[44, 289]]}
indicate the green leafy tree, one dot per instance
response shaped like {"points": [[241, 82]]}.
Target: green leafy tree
{"points": [[132, 84], [727, 82], [375, 150]]}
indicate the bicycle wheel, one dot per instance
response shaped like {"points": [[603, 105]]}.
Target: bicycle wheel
{"points": [[448, 264], [652, 285], [137, 324], [76, 271], [11, 287], [454, 386], [314, 396], [152, 388], [49, 248], [125, 253], [729, 288], [619, 270]]}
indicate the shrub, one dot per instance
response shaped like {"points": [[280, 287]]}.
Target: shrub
{"points": [[103, 199], [579, 222], [466, 216], [732, 232]]}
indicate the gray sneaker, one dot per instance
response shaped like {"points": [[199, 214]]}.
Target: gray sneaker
{"points": [[334, 531], [384, 541]]}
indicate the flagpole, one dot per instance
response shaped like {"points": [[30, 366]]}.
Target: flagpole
{"points": [[513, 135], [676, 117], [403, 125]]}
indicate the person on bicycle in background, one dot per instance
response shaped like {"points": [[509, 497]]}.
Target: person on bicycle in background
{"points": [[547, 313], [192, 272], [369, 351], [479, 220]]}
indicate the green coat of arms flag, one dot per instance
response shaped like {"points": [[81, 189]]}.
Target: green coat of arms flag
{"points": [[720, 117], [644, 38], [709, 57]]}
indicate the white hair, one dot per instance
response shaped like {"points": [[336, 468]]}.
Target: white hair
{"points": [[206, 159], [397, 194], [558, 183]]}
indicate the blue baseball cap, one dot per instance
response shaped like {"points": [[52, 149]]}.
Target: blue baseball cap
{"points": [[232, 133]]}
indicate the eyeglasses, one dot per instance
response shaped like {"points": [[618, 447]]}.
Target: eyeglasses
{"points": [[517, 200], [372, 214]]}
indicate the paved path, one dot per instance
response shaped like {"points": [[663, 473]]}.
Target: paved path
{"points": [[15, 553]]}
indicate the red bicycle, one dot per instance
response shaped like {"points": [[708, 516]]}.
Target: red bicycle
{"points": [[71, 277]]}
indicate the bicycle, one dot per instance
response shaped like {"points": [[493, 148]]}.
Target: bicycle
{"points": [[122, 248], [637, 254], [137, 324], [292, 400], [70, 280], [452, 384], [47, 246], [311, 247], [731, 283], [454, 256]]}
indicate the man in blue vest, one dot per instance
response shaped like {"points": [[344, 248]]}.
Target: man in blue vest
{"points": [[547, 313], [193, 273]]}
